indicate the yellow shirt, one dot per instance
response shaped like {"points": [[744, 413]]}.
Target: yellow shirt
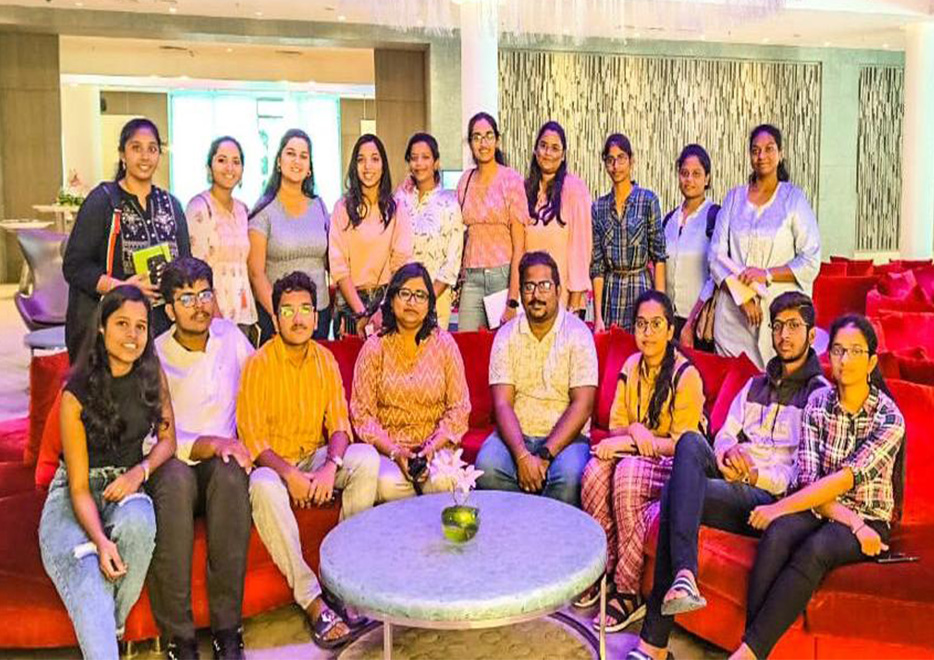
{"points": [[634, 393], [286, 405]]}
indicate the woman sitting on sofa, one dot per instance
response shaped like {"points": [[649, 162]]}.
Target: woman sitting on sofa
{"points": [[410, 395], [98, 529], [850, 475], [659, 397]]}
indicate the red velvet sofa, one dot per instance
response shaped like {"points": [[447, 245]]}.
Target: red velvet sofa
{"points": [[865, 611]]}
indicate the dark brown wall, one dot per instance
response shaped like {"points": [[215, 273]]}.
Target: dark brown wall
{"points": [[401, 102]]}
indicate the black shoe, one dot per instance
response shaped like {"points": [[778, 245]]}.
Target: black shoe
{"points": [[228, 644], [182, 649]]}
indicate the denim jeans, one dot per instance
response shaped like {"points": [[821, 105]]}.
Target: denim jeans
{"points": [[479, 282], [695, 493], [562, 481], [98, 608]]}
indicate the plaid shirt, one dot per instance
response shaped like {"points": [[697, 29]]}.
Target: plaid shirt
{"points": [[866, 442], [625, 243]]}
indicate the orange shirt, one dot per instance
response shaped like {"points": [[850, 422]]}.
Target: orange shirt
{"points": [[489, 211], [370, 253], [410, 400], [284, 405]]}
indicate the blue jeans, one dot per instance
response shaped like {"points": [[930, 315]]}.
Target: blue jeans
{"points": [[98, 608], [562, 481], [479, 282]]}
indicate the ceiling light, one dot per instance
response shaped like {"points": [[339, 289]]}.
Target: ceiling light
{"points": [[765, 40], [258, 13], [172, 10], [342, 18], [79, 4], [229, 50], [885, 46]]}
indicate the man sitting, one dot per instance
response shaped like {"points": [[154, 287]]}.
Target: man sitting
{"points": [[202, 357], [291, 389], [543, 376], [751, 463]]}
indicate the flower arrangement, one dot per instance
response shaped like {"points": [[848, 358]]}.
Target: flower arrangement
{"points": [[448, 467]]}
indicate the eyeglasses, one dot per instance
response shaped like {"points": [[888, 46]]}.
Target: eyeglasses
{"points": [[477, 138], [304, 309], [793, 326], [650, 326], [544, 286], [202, 297], [553, 149], [407, 295], [839, 351], [609, 161]]}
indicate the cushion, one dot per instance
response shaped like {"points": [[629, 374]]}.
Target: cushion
{"points": [[50, 449], [345, 351], [46, 375], [741, 370], [894, 266], [621, 346], [907, 330], [877, 304], [475, 348], [911, 264], [916, 403], [859, 267], [473, 440], [835, 269], [839, 260], [925, 278], [889, 365], [916, 370], [14, 433], [898, 285], [714, 370], [835, 296]]}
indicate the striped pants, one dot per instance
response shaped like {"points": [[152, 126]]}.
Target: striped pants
{"points": [[623, 496]]}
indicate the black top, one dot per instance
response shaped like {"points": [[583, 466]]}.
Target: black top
{"points": [[129, 450], [97, 243]]}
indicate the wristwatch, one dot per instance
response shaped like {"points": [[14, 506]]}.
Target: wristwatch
{"points": [[544, 452], [768, 277], [512, 303]]}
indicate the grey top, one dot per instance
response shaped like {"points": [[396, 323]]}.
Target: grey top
{"points": [[296, 243], [531, 556]]}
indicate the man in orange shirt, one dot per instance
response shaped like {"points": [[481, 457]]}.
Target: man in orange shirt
{"points": [[290, 390]]}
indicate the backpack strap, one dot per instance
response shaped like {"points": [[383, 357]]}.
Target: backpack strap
{"points": [[667, 218], [712, 219]]}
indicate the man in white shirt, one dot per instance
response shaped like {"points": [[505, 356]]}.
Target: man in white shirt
{"points": [[202, 357]]}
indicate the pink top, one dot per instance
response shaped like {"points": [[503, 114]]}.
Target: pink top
{"points": [[571, 245], [368, 254], [489, 211]]}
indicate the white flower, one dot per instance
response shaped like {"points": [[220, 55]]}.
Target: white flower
{"points": [[451, 472]]}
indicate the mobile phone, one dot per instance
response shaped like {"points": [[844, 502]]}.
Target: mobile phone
{"points": [[896, 558]]}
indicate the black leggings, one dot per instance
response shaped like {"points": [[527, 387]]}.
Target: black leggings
{"points": [[794, 555]]}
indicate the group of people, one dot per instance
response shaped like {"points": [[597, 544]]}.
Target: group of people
{"points": [[171, 410]]}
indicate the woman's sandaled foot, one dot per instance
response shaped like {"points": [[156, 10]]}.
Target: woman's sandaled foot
{"points": [[622, 610], [683, 596], [328, 630], [589, 597]]}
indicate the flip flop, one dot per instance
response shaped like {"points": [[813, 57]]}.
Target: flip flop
{"points": [[321, 626], [690, 601]]}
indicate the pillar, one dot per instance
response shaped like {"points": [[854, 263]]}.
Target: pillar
{"points": [[479, 63], [917, 217], [81, 133]]}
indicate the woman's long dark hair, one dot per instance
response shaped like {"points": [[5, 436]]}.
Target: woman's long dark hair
{"points": [[100, 413], [408, 272], [498, 154], [431, 142], [275, 179], [354, 201], [127, 132], [662, 389], [552, 209], [865, 328], [776, 134]]}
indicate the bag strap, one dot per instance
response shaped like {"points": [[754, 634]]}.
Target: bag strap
{"points": [[712, 219], [667, 218], [466, 188], [112, 188]]}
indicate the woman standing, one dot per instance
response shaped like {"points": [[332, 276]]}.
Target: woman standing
{"points": [[217, 223], [495, 211], [124, 230], [97, 531], [688, 228], [768, 232], [627, 237], [370, 238], [659, 398], [410, 395], [289, 232], [436, 220], [850, 474], [559, 206]]}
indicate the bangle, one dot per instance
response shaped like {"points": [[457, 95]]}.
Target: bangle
{"points": [[393, 452], [856, 530], [145, 465]]}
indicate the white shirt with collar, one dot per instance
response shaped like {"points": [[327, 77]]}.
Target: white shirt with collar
{"points": [[204, 384]]}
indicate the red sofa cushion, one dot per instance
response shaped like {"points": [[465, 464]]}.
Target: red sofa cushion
{"points": [[475, 348], [833, 269], [877, 304], [911, 264], [473, 440], [715, 371], [907, 330], [50, 450], [835, 296], [741, 370], [619, 346], [345, 352], [859, 267], [916, 403], [925, 279], [898, 285], [46, 375], [14, 433]]}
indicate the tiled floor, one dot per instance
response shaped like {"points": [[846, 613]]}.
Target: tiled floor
{"points": [[283, 635]]}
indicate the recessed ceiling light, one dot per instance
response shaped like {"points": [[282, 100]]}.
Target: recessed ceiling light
{"points": [[79, 4], [703, 37], [765, 40], [229, 50], [826, 44], [258, 13], [342, 18], [885, 46], [172, 10], [637, 35]]}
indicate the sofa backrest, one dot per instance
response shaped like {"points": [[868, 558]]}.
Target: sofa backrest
{"points": [[907, 330], [916, 402], [475, 348]]}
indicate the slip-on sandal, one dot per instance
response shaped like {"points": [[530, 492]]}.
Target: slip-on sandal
{"points": [[688, 602]]}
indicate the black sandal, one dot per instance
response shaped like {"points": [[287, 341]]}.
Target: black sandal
{"points": [[324, 624], [625, 609], [589, 597]]}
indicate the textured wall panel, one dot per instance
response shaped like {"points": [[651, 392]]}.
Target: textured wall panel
{"points": [[661, 104], [879, 158]]}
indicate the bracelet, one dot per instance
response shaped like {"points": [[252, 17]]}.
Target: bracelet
{"points": [[856, 531], [393, 453], [145, 465]]}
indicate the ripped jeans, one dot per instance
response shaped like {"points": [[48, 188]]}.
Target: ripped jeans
{"points": [[98, 608]]}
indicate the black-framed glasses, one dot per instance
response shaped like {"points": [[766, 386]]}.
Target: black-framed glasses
{"points": [[652, 326], [793, 325], [408, 295], [839, 351], [202, 297], [544, 286]]}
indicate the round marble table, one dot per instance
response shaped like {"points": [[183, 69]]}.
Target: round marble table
{"points": [[531, 557]]}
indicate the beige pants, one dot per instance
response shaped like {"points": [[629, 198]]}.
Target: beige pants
{"points": [[275, 522], [443, 308], [394, 486]]}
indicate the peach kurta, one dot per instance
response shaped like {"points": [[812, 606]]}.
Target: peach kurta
{"points": [[370, 253]]}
